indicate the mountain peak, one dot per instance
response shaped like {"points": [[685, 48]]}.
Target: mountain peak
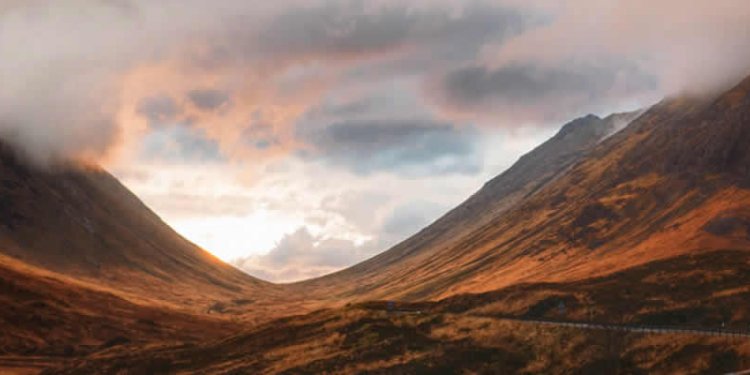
{"points": [[578, 124]]}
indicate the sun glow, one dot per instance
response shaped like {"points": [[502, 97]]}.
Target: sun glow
{"points": [[232, 237]]}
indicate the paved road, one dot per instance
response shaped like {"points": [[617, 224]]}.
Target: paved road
{"points": [[644, 329], [705, 331], [724, 332]]}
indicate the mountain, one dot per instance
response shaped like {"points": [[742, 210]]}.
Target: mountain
{"points": [[85, 266], [528, 175], [673, 183], [80, 222]]}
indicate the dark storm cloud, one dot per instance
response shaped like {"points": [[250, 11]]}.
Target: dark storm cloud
{"points": [[400, 146], [158, 109], [530, 92], [335, 30], [349, 109], [452, 41], [208, 100]]}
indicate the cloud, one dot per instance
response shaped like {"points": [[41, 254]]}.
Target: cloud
{"points": [[179, 143], [301, 255], [259, 56], [72, 94], [208, 100], [700, 45], [412, 147], [363, 209], [357, 29], [389, 94], [531, 93], [158, 109], [60, 93]]}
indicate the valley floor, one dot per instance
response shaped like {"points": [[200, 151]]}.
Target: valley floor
{"points": [[504, 331], [370, 339]]}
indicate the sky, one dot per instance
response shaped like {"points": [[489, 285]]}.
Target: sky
{"points": [[296, 138]]}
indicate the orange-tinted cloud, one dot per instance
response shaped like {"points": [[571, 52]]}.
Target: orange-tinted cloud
{"points": [[75, 91]]}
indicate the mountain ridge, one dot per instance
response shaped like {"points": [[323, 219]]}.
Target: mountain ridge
{"points": [[531, 172], [622, 194]]}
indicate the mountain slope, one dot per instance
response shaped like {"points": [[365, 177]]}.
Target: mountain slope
{"points": [[530, 173], [673, 182], [47, 314], [81, 222]]}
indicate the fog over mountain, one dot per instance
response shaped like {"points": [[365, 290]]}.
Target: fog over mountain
{"points": [[76, 92]]}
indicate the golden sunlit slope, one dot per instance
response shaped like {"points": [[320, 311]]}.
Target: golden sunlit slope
{"points": [[674, 182], [81, 222], [48, 314]]}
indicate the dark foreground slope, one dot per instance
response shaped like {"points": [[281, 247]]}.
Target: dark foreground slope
{"points": [[470, 333]]}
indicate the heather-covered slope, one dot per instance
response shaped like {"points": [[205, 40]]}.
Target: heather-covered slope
{"points": [[469, 333], [48, 314]]}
